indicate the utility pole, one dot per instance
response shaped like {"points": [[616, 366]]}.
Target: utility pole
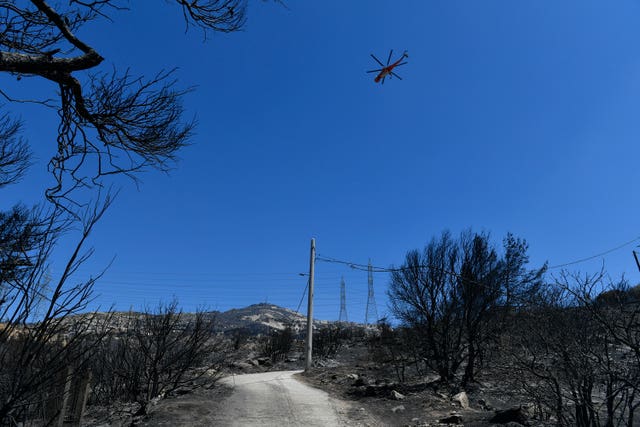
{"points": [[309, 343]]}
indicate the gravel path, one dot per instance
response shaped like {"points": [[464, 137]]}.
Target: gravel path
{"points": [[279, 399], [275, 399]]}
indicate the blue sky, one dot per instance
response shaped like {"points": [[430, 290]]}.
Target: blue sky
{"points": [[513, 116]]}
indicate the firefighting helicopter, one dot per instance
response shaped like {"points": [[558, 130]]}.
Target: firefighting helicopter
{"points": [[387, 70]]}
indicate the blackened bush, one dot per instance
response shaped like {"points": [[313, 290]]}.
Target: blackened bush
{"points": [[278, 344], [157, 353], [327, 341]]}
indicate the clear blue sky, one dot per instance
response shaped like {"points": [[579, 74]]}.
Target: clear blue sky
{"points": [[513, 116]]}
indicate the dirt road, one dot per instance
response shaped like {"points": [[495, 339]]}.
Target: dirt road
{"points": [[266, 399], [279, 399]]}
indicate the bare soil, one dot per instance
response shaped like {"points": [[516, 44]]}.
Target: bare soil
{"points": [[369, 388], [196, 408], [352, 376]]}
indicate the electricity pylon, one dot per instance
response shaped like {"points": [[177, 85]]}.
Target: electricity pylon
{"points": [[343, 302], [371, 299]]}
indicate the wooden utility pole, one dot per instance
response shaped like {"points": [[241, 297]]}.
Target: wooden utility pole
{"points": [[309, 343]]}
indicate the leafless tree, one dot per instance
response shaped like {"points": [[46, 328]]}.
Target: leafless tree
{"points": [[110, 122], [615, 307], [491, 287], [423, 296], [156, 353], [327, 340], [42, 335], [455, 293], [398, 349], [568, 358], [14, 152], [480, 288], [278, 344]]}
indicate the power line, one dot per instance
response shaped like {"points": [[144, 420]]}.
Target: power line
{"points": [[371, 269], [363, 267], [594, 256], [356, 266], [302, 298], [118, 276]]}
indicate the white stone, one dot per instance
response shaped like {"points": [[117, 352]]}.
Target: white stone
{"points": [[397, 396], [462, 399]]}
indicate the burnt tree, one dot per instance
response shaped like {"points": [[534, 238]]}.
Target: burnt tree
{"points": [[109, 122], [455, 295]]}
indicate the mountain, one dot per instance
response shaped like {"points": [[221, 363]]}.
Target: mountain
{"points": [[261, 318], [254, 319]]}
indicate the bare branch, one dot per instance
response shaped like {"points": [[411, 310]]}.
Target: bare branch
{"points": [[46, 102], [137, 122], [218, 15], [14, 152]]}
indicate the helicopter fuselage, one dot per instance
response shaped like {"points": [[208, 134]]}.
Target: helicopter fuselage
{"points": [[389, 69]]}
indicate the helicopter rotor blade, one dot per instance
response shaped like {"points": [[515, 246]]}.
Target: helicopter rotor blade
{"points": [[383, 79], [395, 75], [390, 53], [377, 60], [375, 71]]}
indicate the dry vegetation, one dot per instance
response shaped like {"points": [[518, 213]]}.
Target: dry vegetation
{"points": [[473, 319], [569, 360], [110, 123]]}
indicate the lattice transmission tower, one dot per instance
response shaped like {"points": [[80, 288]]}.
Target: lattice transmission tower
{"points": [[343, 302], [371, 299]]}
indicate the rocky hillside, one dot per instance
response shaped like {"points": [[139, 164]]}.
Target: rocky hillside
{"points": [[252, 320], [261, 318]]}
